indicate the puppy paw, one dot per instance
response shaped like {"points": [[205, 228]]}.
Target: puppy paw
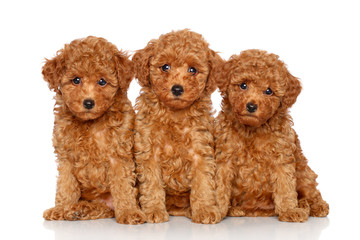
{"points": [[157, 216], [84, 210], [294, 215], [320, 209], [131, 216], [76, 212], [303, 204], [206, 215], [55, 213], [236, 212]]}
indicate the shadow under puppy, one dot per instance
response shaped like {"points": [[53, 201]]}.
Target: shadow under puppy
{"points": [[261, 170], [174, 128], [93, 133]]}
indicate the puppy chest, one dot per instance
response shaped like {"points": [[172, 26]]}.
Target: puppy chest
{"points": [[175, 166], [253, 169], [92, 160], [174, 149], [93, 176], [253, 176]]}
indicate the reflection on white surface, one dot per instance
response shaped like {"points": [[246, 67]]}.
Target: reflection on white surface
{"points": [[183, 228]]}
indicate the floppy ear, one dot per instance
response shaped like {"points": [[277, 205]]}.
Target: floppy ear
{"points": [[293, 89], [53, 70], [124, 70], [214, 62], [223, 72], [141, 61]]}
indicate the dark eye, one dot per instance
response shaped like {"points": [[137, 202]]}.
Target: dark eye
{"points": [[243, 86], [76, 80], [165, 68], [192, 70], [268, 92], [102, 82]]}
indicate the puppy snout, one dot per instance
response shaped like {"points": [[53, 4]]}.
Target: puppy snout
{"points": [[177, 90], [251, 107], [88, 103]]}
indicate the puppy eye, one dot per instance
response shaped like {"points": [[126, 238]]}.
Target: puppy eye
{"points": [[76, 81], [268, 92], [193, 71], [102, 82], [165, 68], [243, 86]]}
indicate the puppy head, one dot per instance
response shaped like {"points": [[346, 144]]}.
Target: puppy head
{"points": [[178, 67], [257, 84], [88, 73]]}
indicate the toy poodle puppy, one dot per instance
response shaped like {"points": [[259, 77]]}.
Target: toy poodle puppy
{"points": [[174, 145], [93, 133], [261, 170]]}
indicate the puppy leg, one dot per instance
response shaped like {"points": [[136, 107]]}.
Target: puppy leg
{"points": [[152, 192], [151, 185], [124, 193], [306, 185], [306, 188], [67, 191], [202, 196], [285, 196], [223, 179]]}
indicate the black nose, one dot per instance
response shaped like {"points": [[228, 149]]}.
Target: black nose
{"points": [[177, 90], [251, 107], [88, 103]]}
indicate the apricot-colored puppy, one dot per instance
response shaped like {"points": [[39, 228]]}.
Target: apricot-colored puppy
{"points": [[174, 128], [93, 136], [261, 170]]}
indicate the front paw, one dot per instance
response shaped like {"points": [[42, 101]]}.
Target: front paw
{"points": [[55, 213], [85, 210], [157, 216], [294, 215], [131, 216], [206, 215]]}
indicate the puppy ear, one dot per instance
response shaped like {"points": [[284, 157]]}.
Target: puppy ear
{"points": [[293, 89], [141, 61], [222, 75], [124, 69], [214, 62], [53, 70]]}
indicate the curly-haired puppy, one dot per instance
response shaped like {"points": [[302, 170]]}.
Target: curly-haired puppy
{"points": [[93, 136], [261, 170], [174, 128]]}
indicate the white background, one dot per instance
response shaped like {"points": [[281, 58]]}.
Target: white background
{"points": [[319, 41]]}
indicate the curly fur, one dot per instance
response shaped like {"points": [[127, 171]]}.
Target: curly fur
{"points": [[261, 170], [93, 147], [174, 135]]}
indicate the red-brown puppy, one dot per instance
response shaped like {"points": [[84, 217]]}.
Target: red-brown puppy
{"points": [[174, 128], [261, 170], [93, 136]]}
